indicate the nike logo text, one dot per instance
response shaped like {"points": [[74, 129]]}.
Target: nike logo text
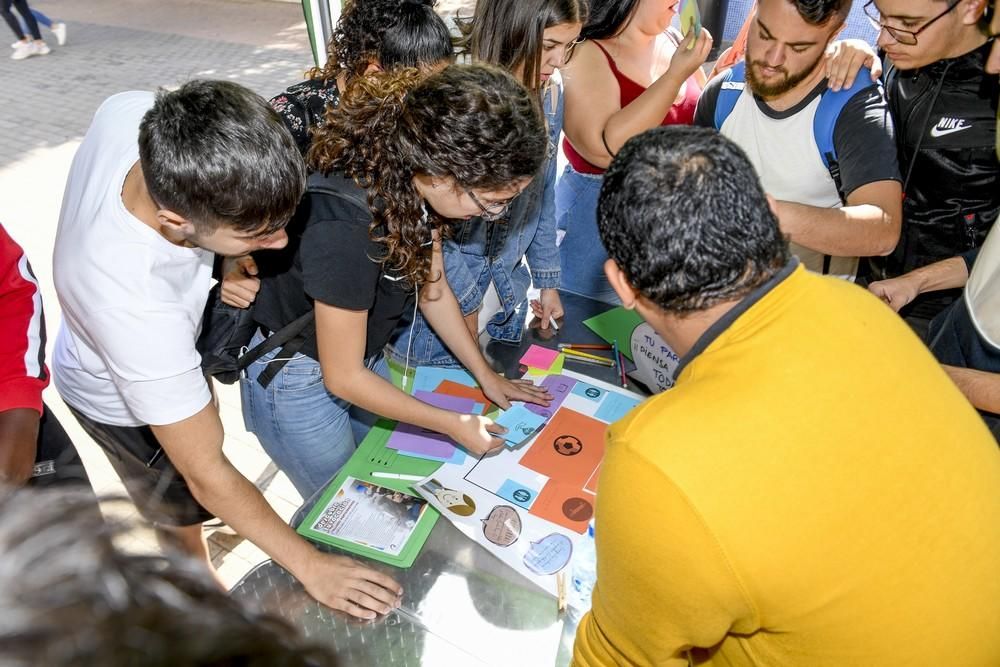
{"points": [[949, 126]]}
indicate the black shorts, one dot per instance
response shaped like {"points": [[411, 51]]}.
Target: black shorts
{"points": [[57, 463], [154, 485]]}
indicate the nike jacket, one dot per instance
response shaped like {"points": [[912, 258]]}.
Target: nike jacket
{"points": [[946, 123]]}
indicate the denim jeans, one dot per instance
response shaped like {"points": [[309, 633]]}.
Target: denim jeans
{"points": [[308, 432], [581, 253]]}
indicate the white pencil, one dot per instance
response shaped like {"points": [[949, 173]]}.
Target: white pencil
{"points": [[396, 475], [552, 323]]}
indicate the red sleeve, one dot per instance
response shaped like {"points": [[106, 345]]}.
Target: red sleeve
{"points": [[23, 374]]}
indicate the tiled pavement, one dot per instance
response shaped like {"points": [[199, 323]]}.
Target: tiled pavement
{"points": [[117, 45]]}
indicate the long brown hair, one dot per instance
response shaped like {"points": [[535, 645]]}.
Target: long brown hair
{"points": [[471, 123], [508, 33]]}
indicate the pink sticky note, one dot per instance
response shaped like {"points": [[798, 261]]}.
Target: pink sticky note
{"points": [[539, 357]]}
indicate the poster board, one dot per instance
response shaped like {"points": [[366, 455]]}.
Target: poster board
{"points": [[530, 504]]}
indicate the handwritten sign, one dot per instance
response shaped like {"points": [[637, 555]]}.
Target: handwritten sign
{"points": [[655, 362]]}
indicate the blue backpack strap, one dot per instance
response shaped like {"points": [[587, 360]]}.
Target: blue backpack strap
{"points": [[733, 82], [831, 103]]}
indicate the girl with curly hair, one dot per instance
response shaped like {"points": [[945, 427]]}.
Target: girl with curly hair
{"points": [[491, 266], [395, 163], [371, 35]]}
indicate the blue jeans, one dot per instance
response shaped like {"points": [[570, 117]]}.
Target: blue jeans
{"points": [[581, 253], [308, 432]]}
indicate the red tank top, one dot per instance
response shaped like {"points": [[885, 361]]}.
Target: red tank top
{"points": [[680, 113]]}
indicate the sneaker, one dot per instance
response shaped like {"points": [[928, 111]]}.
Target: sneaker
{"points": [[15, 44], [24, 50], [59, 30], [42, 49]]}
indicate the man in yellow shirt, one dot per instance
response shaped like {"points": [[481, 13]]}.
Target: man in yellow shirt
{"points": [[813, 490]]}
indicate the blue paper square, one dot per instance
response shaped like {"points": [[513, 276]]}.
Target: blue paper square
{"points": [[521, 424], [588, 391], [614, 407], [517, 493]]}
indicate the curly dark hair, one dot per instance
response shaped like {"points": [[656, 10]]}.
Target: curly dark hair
{"points": [[684, 215], [508, 33], [394, 33], [472, 123]]}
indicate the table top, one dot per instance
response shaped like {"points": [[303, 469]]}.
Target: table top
{"points": [[461, 605], [504, 357]]}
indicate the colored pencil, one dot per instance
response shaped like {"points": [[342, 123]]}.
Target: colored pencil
{"points": [[552, 323], [614, 353], [586, 355], [621, 369], [561, 590], [586, 360], [584, 346]]}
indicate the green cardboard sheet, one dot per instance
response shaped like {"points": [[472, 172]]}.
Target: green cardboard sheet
{"points": [[371, 456], [616, 324]]}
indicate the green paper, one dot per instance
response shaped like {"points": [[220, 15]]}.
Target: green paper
{"points": [[616, 324], [372, 455]]}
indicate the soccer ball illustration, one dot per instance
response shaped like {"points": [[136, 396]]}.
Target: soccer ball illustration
{"points": [[567, 445]]}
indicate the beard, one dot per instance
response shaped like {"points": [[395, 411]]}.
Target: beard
{"points": [[782, 86]]}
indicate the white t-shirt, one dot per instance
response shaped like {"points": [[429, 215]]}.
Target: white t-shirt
{"points": [[781, 145], [982, 292], [132, 302]]}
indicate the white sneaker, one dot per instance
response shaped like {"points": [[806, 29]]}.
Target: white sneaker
{"points": [[23, 50], [59, 30], [26, 50]]}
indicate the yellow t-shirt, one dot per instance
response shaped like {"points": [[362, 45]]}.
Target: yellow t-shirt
{"points": [[813, 491]]}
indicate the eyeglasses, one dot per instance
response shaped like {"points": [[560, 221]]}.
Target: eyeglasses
{"points": [[492, 211], [570, 48], [904, 37]]}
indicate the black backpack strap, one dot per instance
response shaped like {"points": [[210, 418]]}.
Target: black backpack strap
{"points": [[288, 338]]}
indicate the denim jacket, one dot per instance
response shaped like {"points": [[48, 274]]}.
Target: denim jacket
{"points": [[480, 252]]}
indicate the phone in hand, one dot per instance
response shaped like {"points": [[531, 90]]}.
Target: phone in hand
{"points": [[690, 20]]}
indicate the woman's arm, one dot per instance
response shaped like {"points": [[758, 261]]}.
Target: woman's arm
{"points": [[592, 99], [440, 309], [340, 338]]}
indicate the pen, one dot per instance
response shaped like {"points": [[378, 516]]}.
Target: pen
{"points": [[588, 360], [396, 475], [156, 457], [585, 355], [583, 346]]}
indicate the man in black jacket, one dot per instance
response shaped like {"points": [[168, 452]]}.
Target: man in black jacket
{"points": [[944, 105], [965, 337]]}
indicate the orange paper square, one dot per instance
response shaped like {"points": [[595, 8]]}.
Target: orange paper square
{"points": [[565, 505], [569, 449]]}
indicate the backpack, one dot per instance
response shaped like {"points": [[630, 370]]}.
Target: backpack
{"points": [[831, 103], [227, 331]]}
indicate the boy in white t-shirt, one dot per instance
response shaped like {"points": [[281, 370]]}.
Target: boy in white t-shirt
{"points": [[161, 185]]}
